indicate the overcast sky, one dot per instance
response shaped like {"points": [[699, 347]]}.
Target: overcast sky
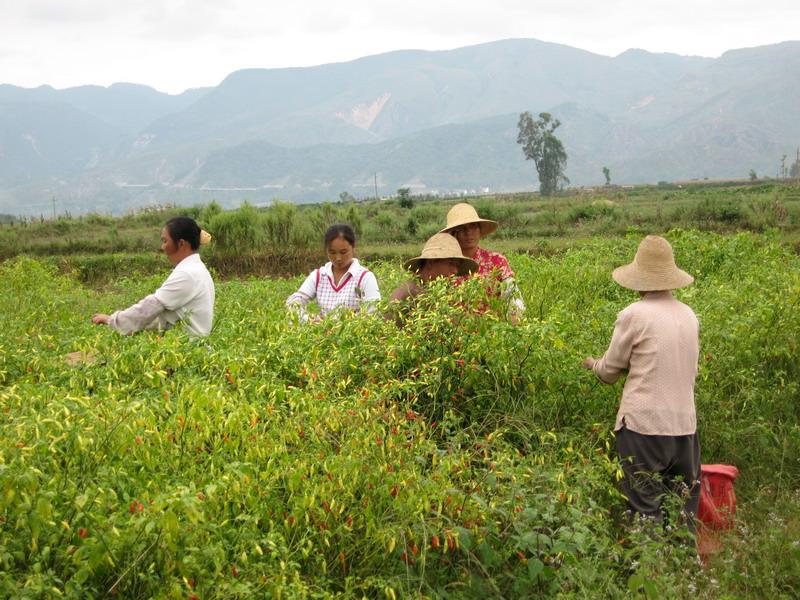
{"points": [[177, 44]]}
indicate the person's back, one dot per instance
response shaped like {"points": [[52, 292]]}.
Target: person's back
{"points": [[188, 296], [658, 396]]}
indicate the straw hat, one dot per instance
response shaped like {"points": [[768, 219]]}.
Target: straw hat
{"points": [[653, 268], [463, 214], [205, 237], [443, 245]]}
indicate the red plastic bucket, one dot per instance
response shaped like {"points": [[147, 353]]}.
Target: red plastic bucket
{"points": [[717, 497], [717, 505]]}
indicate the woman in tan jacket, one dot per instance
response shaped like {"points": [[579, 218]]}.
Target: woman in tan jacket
{"points": [[656, 341]]}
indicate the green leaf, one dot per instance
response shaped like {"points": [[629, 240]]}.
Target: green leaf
{"points": [[535, 567], [635, 582]]}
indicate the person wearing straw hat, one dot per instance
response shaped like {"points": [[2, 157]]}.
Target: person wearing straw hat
{"points": [[656, 340], [187, 295], [464, 224], [441, 257]]}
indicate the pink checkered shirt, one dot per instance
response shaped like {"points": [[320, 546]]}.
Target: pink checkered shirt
{"points": [[358, 285]]}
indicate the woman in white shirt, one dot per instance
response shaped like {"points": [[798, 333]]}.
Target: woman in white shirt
{"points": [[341, 283], [187, 295]]}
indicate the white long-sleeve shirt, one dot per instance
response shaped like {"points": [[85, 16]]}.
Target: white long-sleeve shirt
{"points": [[187, 295]]}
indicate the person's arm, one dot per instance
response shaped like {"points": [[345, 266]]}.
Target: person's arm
{"points": [[394, 312], [370, 294], [509, 291], [407, 289], [617, 358], [512, 295], [135, 318], [297, 302]]}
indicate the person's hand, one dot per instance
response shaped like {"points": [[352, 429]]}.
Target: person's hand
{"points": [[100, 319], [588, 363]]}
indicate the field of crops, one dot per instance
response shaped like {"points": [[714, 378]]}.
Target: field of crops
{"points": [[455, 457]]}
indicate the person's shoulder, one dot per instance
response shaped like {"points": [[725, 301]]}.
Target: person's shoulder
{"points": [[356, 268], [687, 310], [190, 264], [494, 257], [632, 309], [635, 311], [191, 268], [407, 289]]}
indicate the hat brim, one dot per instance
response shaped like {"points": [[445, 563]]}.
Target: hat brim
{"points": [[487, 226], [466, 266], [631, 276]]}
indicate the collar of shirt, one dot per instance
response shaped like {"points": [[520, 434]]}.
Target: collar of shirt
{"points": [[188, 261], [327, 268], [660, 295]]}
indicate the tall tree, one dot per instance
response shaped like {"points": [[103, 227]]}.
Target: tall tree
{"points": [[607, 175], [540, 145]]}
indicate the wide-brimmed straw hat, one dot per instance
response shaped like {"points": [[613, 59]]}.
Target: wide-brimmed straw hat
{"points": [[463, 214], [443, 245], [205, 237], [653, 268]]}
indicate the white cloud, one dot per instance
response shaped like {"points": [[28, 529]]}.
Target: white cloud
{"points": [[75, 11], [175, 44]]}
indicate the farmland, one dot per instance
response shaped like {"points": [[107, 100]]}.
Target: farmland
{"points": [[456, 456]]}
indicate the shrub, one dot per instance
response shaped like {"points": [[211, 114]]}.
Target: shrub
{"points": [[238, 231]]}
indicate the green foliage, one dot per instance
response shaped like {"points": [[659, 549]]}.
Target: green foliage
{"points": [[324, 216], [353, 218], [207, 214], [404, 198], [532, 223], [540, 145], [457, 456], [238, 231], [717, 211], [282, 226]]}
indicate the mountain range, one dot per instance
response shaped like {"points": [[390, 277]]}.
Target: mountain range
{"points": [[437, 122]]}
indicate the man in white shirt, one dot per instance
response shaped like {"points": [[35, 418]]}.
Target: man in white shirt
{"points": [[187, 295]]}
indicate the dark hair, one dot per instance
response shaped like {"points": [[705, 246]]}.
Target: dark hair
{"points": [[184, 228], [340, 230]]}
